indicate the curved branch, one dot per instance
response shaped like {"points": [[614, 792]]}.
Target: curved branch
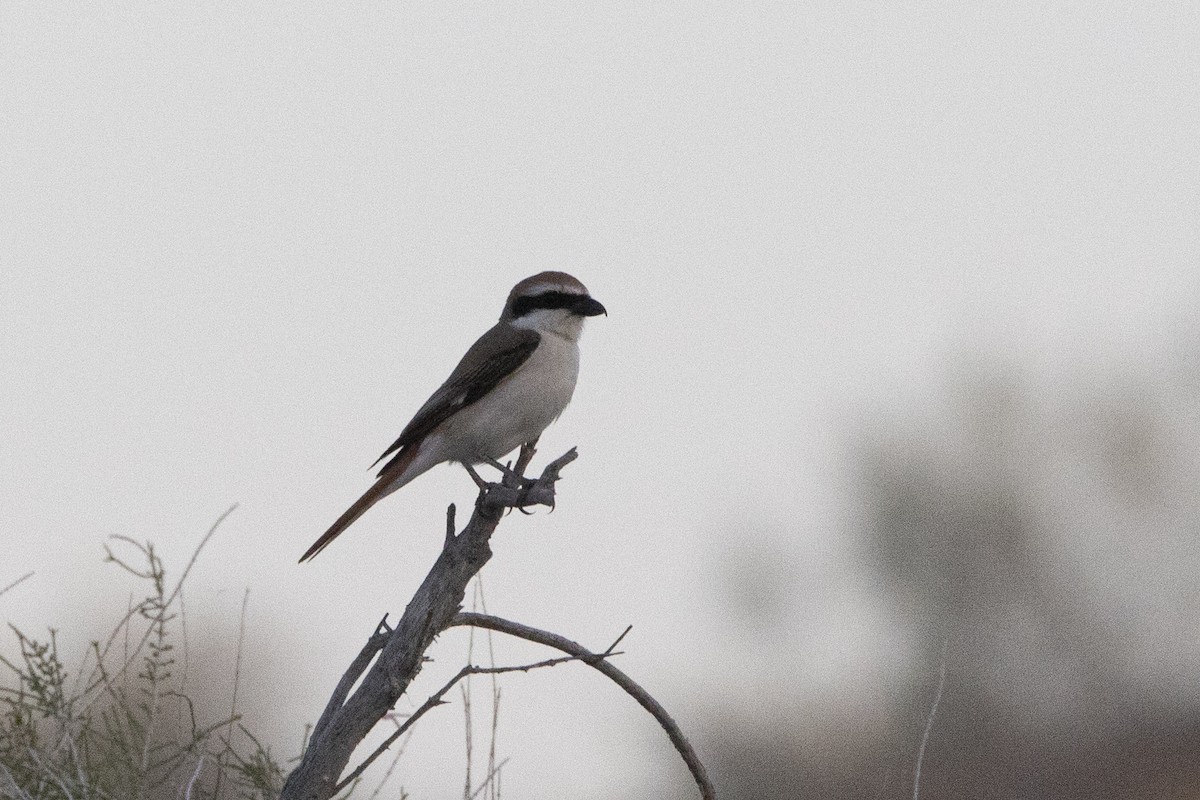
{"points": [[599, 661]]}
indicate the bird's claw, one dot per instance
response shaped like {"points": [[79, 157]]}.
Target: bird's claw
{"points": [[516, 490]]}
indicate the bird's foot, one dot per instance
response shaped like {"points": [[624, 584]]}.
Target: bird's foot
{"points": [[522, 483], [512, 479], [518, 491]]}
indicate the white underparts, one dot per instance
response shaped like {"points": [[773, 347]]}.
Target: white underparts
{"points": [[518, 408]]}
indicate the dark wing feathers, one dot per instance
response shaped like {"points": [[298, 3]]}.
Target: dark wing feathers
{"points": [[493, 357]]}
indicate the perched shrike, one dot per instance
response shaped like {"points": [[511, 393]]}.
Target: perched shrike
{"points": [[513, 382]]}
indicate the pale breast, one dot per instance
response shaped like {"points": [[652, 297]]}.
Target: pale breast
{"points": [[520, 407]]}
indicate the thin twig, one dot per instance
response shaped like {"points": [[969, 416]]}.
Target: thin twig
{"points": [[937, 699], [464, 689], [435, 700], [187, 795], [237, 676], [14, 787], [486, 781], [76, 760], [151, 711], [479, 603], [599, 661], [47, 769], [492, 659], [129, 657], [183, 677], [391, 767], [17, 582]]}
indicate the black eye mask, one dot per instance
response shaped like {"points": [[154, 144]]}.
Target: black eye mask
{"points": [[524, 305]]}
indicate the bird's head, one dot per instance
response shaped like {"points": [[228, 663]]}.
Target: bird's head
{"points": [[551, 302]]}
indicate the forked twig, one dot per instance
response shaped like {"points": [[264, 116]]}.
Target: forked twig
{"points": [[361, 661]]}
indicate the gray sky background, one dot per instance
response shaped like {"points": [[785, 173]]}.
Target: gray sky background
{"points": [[240, 245]]}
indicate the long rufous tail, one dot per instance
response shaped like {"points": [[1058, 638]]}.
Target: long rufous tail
{"points": [[386, 484]]}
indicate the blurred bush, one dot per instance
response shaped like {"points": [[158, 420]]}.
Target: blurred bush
{"points": [[124, 724], [1044, 532]]}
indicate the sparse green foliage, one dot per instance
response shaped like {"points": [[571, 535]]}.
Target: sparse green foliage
{"points": [[256, 771], [121, 726]]}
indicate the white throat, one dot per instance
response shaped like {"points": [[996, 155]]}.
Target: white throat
{"points": [[552, 321]]}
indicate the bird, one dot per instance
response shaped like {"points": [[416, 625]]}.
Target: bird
{"points": [[510, 386]]}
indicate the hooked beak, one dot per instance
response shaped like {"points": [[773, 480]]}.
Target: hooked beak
{"points": [[587, 306]]}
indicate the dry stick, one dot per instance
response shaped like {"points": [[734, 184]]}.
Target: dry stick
{"points": [[360, 663], [599, 661], [495, 771], [937, 700], [464, 689], [17, 582], [183, 677], [187, 795], [343, 726], [237, 676], [479, 602], [435, 700], [392, 768]]}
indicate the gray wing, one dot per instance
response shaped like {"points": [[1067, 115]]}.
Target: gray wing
{"points": [[493, 357]]}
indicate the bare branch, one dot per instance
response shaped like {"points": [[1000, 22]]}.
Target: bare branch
{"points": [[350, 716], [599, 661]]}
